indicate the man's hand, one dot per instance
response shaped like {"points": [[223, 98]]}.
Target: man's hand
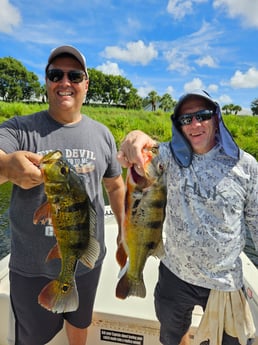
{"points": [[20, 168], [131, 149]]}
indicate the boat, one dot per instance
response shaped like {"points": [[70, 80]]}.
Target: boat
{"points": [[131, 321]]}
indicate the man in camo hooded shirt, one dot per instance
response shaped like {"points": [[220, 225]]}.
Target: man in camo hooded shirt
{"points": [[212, 200]]}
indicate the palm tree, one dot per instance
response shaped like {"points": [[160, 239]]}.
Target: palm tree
{"points": [[167, 103], [231, 108], [236, 109], [154, 98], [254, 106]]}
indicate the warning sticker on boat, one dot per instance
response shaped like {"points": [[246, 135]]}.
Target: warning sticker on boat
{"points": [[121, 337]]}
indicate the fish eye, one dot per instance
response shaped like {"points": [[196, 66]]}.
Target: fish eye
{"points": [[64, 171], [56, 200], [65, 288], [154, 149], [150, 245], [161, 167]]}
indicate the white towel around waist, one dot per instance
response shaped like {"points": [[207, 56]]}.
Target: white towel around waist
{"points": [[229, 312]]}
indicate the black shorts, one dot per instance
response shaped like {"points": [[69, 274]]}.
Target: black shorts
{"points": [[174, 302], [36, 325]]}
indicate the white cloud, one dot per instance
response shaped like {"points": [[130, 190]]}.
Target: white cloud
{"points": [[9, 17], [206, 61], [180, 8], [143, 91], [245, 80], [195, 84], [225, 99], [245, 111], [198, 44], [110, 68], [177, 63], [135, 53], [133, 24], [213, 88], [247, 10], [170, 90]]}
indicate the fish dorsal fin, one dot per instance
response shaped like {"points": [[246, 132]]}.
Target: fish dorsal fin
{"points": [[92, 220], [92, 253]]}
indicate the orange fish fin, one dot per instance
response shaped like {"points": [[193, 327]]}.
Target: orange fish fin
{"points": [[92, 253], [59, 297], [42, 214], [127, 287], [123, 288], [54, 253], [121, 255]]}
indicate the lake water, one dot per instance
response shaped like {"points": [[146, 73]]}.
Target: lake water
{"points": [[5, 190], [4, 230]]}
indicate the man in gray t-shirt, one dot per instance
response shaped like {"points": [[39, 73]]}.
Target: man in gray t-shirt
{"points": [[87, 145]]}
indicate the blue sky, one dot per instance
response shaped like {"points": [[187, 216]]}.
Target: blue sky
{"points": [[164, 45]]}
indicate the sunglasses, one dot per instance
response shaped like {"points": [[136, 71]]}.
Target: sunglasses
{"points": [[55, 75], [201, 115]]}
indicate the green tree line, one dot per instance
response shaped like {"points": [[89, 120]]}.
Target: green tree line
{"points": [[19, 84]]}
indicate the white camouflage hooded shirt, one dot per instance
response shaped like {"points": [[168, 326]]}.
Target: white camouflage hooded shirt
{"points": [[212, 200]]}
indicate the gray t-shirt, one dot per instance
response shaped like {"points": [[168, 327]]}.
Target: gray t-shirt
{"points": [[86, 143], [210, 206]]}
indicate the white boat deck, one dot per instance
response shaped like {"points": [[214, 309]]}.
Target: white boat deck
{"points": [[131, 321]]}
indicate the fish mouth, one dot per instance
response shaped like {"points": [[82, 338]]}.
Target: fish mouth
{"points": [[139, 180]]}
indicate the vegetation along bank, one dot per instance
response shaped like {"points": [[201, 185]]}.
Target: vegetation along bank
{"points": [[244, 129]]}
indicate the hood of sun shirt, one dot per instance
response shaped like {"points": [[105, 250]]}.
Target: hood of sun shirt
{"points": [[181, 148]]}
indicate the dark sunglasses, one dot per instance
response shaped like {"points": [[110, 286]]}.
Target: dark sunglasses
{"points": [[55, 75], [201, 115]]}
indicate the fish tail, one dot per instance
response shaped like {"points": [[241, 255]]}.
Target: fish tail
{"points": [[128, 287], [59, 297]]}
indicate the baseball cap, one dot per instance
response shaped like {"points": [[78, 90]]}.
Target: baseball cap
{"points": [[67, 49]]}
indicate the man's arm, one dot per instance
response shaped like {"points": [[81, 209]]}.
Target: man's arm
{"points": [[116, 191]]}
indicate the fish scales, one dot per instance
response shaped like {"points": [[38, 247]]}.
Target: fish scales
{"points": [[145, 203], [73, 217]]}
